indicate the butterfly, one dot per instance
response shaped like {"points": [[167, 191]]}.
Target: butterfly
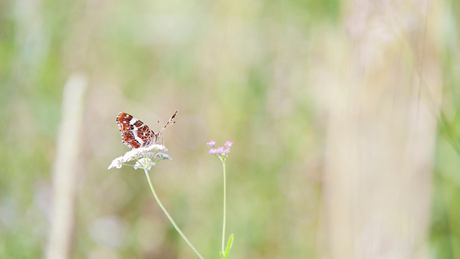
{"points": [[136, 134]]}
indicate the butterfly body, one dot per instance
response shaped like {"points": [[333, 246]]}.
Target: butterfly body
{"points": [[135, 133]]}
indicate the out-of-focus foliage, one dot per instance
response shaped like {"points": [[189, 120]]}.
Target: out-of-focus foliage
{"points": [[445, 228], [236, 70]]}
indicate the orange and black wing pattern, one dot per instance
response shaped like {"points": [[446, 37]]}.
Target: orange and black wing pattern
{"points": [[134, 133]]}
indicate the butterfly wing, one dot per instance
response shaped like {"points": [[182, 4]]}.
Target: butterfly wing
{"points": [[134, 133]]}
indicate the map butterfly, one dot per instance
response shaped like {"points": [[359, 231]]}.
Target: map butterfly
{"points": [[136, 134]]}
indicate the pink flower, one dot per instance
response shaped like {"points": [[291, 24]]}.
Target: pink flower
{"points": [[211, 144], [219, 150]]}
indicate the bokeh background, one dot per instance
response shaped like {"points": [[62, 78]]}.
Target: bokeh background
{"points": [[344, 117]]}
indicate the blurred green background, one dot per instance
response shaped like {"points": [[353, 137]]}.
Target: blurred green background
{"points": [[278, 78]]}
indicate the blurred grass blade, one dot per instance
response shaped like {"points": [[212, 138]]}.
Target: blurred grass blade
{"points": [[449, 132], [67, 150]]}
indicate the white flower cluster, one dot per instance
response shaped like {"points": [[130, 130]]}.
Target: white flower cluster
{"points": [[144, 157]]}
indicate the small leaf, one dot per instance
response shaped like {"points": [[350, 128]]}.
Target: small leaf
{"points": [[222, 255], [229, 245]]}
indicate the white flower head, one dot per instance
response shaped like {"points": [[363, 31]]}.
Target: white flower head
{"points": [[149, 152], [116, 163], [162, 155], [144, 162]]}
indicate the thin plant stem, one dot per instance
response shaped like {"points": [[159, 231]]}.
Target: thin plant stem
{"points": [[225, 207], [169, 216]]}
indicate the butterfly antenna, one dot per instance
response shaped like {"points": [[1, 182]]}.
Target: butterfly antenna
{"points": [[170, 121]]}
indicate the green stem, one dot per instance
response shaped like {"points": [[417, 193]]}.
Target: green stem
{"points": [[225, 209], [169, 216]]}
